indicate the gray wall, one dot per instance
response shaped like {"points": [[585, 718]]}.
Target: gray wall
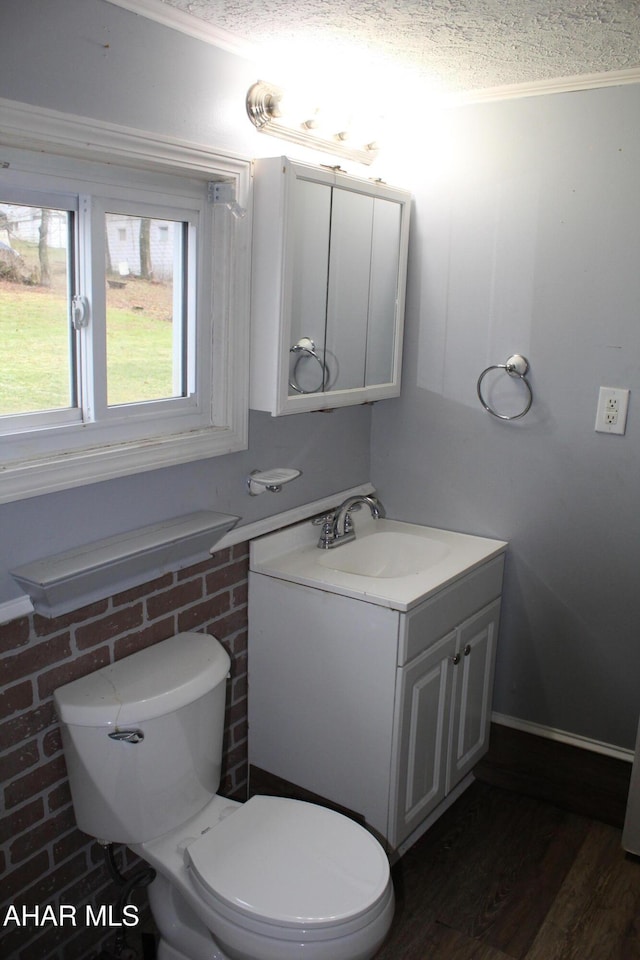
{"points": [[90, 58], [528, 240], [525, 238], [93, 59]]}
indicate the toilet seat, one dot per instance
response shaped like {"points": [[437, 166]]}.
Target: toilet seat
{"points": [[290, 865]]}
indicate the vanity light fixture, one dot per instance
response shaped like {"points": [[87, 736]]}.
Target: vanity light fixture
{"points": [[266, 107]]}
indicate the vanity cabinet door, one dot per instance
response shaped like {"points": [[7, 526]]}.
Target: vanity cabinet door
{"points": [[442, 724], [471, 708], [424, 694]]}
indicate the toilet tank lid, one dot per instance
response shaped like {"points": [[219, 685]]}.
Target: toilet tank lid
{"points": [[147, 684]]}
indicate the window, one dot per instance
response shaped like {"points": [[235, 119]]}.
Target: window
{"points": [[148, 318], [37, 344], [123, 315], [149, 312]]}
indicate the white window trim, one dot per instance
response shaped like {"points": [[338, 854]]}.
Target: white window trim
{"points": [[27, 127]]}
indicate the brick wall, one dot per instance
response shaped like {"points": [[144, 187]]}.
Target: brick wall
{"points": [[44, 858]]}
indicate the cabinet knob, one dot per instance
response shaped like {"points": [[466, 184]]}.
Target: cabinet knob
{"points": [[467, 650], [455, 658]]}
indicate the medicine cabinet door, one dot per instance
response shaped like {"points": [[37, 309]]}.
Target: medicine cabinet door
{"points": [[348, 295], [345, 288], [329, 275], [311, 230], [383, 291]]}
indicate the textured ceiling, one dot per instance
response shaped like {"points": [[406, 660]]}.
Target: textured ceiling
{"points": [[457, 45]]}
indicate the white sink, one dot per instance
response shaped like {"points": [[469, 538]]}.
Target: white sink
{"points": [[390, 563], [385, 553]]}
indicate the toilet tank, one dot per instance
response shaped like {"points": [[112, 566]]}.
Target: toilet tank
{"points": [[143, 738]]}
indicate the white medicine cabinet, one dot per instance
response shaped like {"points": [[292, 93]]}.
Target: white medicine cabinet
{"points": [[329, 276]]}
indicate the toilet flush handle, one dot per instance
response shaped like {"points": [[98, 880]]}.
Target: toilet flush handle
{"points": [[128, 736]]}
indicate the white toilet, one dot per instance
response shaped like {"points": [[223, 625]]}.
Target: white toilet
{"points": [[270, 879]]}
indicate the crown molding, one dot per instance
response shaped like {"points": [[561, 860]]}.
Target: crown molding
{"points": [[217, 36], [539, 88], [194, 27]]}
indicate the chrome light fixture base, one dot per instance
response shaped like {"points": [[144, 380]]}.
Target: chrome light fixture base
{"points": [[263, 108]]}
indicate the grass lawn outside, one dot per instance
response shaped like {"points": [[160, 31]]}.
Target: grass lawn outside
{"points": [[35, 345]]}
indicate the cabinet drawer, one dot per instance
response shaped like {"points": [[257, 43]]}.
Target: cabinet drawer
{"points": [[435, 617]]}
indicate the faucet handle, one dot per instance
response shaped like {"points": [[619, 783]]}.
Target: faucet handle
{"points": [[325, 518], [348, 522], [327, 535]]}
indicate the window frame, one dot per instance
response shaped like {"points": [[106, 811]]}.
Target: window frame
{"points": [[29, 467]]}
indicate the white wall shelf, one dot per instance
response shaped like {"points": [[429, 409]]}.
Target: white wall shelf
{"points": [[70, 580]]}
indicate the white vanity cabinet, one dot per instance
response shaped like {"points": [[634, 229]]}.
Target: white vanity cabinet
{"points": [[329, 272], [443, 716], [381, 711]]}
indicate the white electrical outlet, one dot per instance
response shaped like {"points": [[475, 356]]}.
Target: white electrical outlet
{"points": [[611, 416]]}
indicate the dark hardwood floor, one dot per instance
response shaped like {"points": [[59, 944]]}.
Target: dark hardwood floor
{"points": [[526, 865], [506, 875]]}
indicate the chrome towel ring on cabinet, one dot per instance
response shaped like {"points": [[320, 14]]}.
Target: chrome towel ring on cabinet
{"points": [[516, 366], [305, 347]]}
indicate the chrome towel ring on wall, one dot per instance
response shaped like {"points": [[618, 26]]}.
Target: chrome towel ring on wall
{"points": [[305, 347], [516, 366]]}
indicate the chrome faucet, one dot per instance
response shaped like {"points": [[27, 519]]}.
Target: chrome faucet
{"points": [[338, 528]]}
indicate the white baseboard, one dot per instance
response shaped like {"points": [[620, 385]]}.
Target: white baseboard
{"points": [[573, 739]]}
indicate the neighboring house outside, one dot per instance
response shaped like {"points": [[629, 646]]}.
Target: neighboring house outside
{"points": [[123, 237], [23, 223]]}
